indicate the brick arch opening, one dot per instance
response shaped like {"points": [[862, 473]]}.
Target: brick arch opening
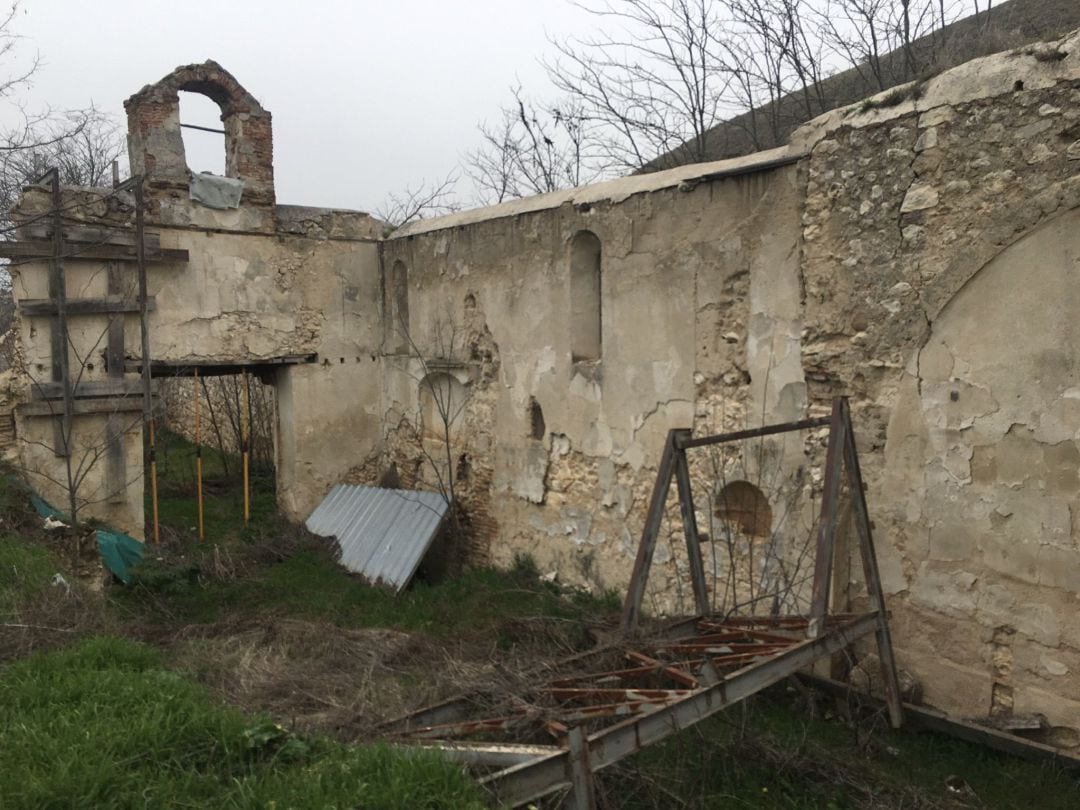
{"points": [[156, 145]]}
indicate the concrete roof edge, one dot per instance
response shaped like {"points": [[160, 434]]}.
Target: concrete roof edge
{"points": [[610, 190], [1035, 66]]}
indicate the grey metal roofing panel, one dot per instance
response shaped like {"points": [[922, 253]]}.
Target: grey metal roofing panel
{"points": [[383, 533]]}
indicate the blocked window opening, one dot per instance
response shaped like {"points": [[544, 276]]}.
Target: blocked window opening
{"points": [[397, 308], [204, 151], [745, 508], [442, 401], [537, 428], [585, 297]]}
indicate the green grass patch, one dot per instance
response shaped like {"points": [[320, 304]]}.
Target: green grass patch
{"points": [[25, 569], [223, 492], [104, 725], [311, 585]]}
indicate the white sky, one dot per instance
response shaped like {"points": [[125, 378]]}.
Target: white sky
{"points": [[368, 97]]}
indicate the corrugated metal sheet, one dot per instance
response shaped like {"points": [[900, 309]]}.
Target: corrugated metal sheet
{"points": [[383, 533]]}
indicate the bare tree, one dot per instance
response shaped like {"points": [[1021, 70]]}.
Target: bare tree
{"points": [[650, 82], [420, 202], [532, 149]]}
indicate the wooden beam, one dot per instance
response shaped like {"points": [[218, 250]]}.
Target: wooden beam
{"points": [[82, 306], [97, 388], [33, 249], [91, 235], [82, 407]]}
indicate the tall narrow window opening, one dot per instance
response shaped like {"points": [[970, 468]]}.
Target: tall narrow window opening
{"points": [[585, 298]]}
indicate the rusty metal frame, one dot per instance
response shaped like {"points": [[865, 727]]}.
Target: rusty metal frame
{"points": [[693, 669]]}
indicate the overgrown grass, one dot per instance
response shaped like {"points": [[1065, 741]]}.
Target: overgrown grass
{"points": [[104, 725], [25, 569], [223, 493], [770, 754]]}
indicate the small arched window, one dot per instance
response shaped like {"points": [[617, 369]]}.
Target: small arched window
{"points": [[745, 509], [442, 401], [397, 308], [585, 298]]}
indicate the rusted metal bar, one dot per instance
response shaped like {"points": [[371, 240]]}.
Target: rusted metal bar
{"points": [[635, 592], [562, 693], [632, 673], [690, 528], [870, 572], [677, 675], [488, 754], [830, 496], [710, 628], [753, 433], [532, 780]]}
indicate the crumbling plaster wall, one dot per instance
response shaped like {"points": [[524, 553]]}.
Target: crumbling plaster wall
{"points": [[920, 259], [941, 254], [687, 273]]}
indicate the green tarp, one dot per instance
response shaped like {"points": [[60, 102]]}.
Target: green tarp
{"points": [[120, 552]]}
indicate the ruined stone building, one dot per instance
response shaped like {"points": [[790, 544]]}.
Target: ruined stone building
{"points": [[920, 257]]}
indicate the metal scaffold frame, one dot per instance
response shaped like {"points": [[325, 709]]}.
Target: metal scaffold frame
{"points": [[667, 683]]}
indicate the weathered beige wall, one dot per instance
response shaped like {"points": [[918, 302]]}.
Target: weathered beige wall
{"points": [[919, 259], [687, 274], [309, 287]]}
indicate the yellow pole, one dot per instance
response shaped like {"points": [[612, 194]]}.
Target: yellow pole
{"points": [[198, 451], [245, 440], [153, 482]]}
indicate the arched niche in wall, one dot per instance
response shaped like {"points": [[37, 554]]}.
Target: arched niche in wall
{"points": [[986, 426], [442, 398], [397, 308], [586, 329], [744, 508]]}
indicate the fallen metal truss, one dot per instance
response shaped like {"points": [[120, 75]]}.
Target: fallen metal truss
{"points": [[610, 703]]}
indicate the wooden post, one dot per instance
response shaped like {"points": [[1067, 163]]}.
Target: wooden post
{"points": [[245, 429], [59, 341], [144, 324], [115, 462], [635, 592], [870, 572], [690, 528], [198, 452]]}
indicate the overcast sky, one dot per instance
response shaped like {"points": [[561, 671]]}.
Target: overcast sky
{"points": [[368, 96]]}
